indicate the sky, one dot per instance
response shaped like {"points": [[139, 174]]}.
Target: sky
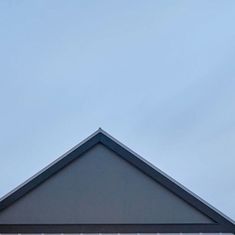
{"points": [[157, 75]]}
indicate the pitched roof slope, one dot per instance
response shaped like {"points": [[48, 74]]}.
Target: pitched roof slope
{"points": [[102, 186]]}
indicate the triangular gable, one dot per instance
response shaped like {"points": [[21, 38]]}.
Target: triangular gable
{"points": [[102, 186]]}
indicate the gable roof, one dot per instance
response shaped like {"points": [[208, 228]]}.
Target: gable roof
{"points": [[221, 223]]}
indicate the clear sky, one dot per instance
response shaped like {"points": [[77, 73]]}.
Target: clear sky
{"points": [[157, 75]]}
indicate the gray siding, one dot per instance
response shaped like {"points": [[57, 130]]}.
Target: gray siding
{"points": [[100, 187]]}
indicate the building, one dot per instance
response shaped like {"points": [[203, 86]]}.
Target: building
{"points": [[101, 186]]}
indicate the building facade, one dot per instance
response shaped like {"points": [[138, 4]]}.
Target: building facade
{"points": [[101, 186]]}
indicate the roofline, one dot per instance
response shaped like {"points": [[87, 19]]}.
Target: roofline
{"points": [[100, 136], [48, 166], [166, 175]]}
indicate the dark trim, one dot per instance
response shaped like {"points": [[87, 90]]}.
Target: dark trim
{"points": [[116, 228], [35, 182], [222, 224], [163, 180]]}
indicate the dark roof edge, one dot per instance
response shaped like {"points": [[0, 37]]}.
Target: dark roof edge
{"points": [[162, 178], [103, 137], [114, 228], [48, 166]]}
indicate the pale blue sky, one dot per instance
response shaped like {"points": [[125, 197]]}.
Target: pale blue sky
{"points": [[157, 75]]}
